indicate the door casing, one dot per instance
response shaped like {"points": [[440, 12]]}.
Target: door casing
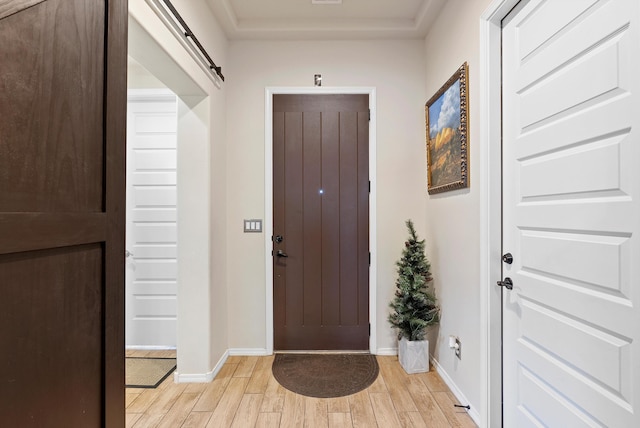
{"points": [[491, 210], [268, 201]]}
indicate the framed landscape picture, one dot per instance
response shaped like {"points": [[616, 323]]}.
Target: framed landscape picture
{"points": [[447, 135]]}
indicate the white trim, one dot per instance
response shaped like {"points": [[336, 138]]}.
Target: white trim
{"points": [[195, 377], [473, 413], [201, 377], [149, 348], [491, 211], [268, 202], [387, 351], [249, 351]]}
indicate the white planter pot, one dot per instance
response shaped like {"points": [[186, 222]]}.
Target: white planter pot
{"points": [[414, 355]]}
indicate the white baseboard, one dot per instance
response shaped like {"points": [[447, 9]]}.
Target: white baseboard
{"points": [[263, 351], [473, 413], [193, 377], [149, 348], [201, 377], [248, 351], [387, 351], [209, 376]]}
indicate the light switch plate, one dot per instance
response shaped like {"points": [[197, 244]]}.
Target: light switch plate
{"points": [[253, 225]]}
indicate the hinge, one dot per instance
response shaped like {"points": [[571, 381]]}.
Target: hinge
{"points": [[369, 115], [369, 186], [369, 258], [369, 329]]}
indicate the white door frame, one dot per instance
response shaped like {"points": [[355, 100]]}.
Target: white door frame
{"points": [[491, 210], [268, 199]]}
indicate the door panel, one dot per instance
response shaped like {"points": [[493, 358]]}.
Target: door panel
{"points": [[321, 209], [41, 73], [571, 210], [62, 133], [152, 274], [62, 307]]}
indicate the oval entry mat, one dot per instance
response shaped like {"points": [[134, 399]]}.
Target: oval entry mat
{"points": [[325, 375]]}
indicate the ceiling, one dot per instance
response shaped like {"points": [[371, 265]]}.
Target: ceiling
{"points": [[300, 19]]}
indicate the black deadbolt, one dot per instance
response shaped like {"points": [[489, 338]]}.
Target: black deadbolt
{"points": [[507, 258]]}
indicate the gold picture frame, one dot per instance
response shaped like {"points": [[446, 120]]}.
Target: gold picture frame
{"points": [[447, 123]]}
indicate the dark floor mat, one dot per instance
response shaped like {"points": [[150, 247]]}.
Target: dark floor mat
{"points": [[325, 375]]}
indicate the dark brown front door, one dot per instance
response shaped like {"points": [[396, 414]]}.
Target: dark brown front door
{"points": [[62, 141], [321, 222]]}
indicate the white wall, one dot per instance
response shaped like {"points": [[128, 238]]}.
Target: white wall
{"points": [[139, 77], [210, 34], [396, 70], [452, 218], [202, 172]]}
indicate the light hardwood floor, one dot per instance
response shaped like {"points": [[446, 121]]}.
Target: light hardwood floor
{"points": [[245, 394]]}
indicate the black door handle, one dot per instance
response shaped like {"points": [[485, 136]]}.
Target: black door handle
{"points": [[507, 283], [281, 253]]}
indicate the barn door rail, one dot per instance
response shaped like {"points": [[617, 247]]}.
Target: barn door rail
{"points": [[168, 13]]}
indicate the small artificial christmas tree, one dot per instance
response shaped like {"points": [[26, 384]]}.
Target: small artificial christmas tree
{"points": [[414, 306]]}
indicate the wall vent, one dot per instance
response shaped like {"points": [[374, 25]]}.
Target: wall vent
{"points": [[326, 1]]}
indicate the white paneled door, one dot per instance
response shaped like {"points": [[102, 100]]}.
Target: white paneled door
{"points": [[151, 276], [571, 214]]}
